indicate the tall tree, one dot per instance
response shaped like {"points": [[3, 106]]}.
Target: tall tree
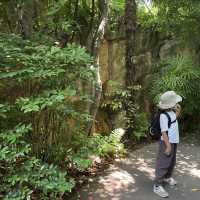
{"points": [[97, 88], [25, 15], [130, 30]]}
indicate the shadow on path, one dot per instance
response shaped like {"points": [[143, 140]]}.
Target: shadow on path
{"points": [[132, 178]]}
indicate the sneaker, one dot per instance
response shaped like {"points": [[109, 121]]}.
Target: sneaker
{"points": [[160, 191], [170, 181]]}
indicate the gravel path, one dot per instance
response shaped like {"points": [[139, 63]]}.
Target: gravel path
{"points": [[132, 178]]}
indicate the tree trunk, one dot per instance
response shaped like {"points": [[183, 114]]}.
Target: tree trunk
{"points": [[97, 87], [25, 15], [130, 28]]}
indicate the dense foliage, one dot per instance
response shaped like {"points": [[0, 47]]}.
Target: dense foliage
{"points": [[181, 75], [117, 99], [49, 78], [67, 21], [35, 85], [22, 174], [41, 90], [180, 18]]}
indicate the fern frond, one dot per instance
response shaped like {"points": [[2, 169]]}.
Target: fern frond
{"points": [[182, 76]]}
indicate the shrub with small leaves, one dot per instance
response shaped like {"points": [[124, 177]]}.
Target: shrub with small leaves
{"points": [[21, 174], [40, 92]]}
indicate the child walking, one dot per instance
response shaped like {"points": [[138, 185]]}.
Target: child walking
{"points": [[166, 159]]}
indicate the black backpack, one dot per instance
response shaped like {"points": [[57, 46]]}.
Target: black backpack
{"points": [[154, 129]]}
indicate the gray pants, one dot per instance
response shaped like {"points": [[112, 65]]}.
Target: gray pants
{"points": [[165, 164]]}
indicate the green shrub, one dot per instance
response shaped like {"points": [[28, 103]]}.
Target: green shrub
{"points": [[117, 99], [110, 145], [39, 93], [22, 175], [141, 126], [96, 145]]}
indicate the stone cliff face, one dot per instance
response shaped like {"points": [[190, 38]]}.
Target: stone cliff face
{"points": [[151, 48]]}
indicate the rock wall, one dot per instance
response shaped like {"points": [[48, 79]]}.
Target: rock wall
{"points": [[151, 48], [112, 61]]}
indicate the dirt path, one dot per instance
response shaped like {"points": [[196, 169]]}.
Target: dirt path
{"points": [[131, 178]]}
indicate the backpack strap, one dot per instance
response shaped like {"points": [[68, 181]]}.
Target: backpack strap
{"points": [[170, 122]]}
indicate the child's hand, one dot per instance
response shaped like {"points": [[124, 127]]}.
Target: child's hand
{"points": [[178, 110], [168, 150], [178, 107]]}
